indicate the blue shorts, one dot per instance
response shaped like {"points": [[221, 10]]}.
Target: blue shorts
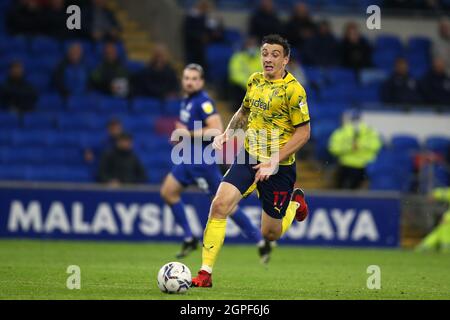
{"points": [[274, 193], [206, 177]]}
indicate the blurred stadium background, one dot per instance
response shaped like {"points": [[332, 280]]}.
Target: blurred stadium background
{"points": [[126, 64]]}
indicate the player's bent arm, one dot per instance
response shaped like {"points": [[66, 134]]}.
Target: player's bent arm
{"points": [[238, 121], [299, 138], [212, 128]]}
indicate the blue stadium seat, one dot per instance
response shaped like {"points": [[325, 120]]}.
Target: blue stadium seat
{"points": [[112, 105], [16, 44], [41, 81], [321, 132], [172, 107], [83, 103], [405, 143], [46, 63], [141, 123], [9, 120], [41, 45], [6, 135], [385, 60], [218, 56], [50, 102], [341, 93], [31, 138], [66, 139], [147, 105], [387, 182], [38, 121], [61, 174], [82, 121], [340, 75], [233, 37], [14, 172], [419, 44], [25, 156], [438, 144], [367, 94], [389, 42], [60, 156], [156, 174], [150, 143]]}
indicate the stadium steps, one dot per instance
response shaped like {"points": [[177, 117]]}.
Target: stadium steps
{"points": [[310, 175], [137, 42]]}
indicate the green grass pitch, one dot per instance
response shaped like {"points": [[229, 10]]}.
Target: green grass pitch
{"points": [[37, 270]]}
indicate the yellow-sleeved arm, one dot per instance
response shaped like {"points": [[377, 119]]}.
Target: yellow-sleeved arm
{"points": [[298, 107]]}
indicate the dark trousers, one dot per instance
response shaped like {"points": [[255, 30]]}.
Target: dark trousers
{"points": [[349, 178]]}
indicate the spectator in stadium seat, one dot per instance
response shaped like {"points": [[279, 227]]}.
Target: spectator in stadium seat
{"points": [[16, 93], [241, 66], [71, 75], [441, 46], [111, 76], [435, 84], [121, 165], [158, 79], [355, 145], [24, 17], [400, 88], [323, 48], [114, 130], [264, 21], [196, 33], [101, 22], [300, 27], [356, 52]]}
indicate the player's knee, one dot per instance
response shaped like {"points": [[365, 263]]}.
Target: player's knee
{"points": [[270, 235], [168, 196], [220, 208]]}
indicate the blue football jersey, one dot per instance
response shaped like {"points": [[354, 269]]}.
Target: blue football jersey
{"points": [[197, 107]]}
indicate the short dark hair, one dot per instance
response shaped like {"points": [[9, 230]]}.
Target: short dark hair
{"points": [[196, 67], [277, 39]]}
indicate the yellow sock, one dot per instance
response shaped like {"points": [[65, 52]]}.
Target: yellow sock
{"points": [[288, 217], [213, 238]]}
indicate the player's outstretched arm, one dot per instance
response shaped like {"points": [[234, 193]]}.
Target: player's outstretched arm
{"points": [[238, 121]]}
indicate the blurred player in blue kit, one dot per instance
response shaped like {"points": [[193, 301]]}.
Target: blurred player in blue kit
{"points": [[198, 108]]}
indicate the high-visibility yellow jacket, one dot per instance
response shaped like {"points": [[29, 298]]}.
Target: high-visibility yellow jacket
{"points": [[241, 66], [443, 194], [355, 148]]}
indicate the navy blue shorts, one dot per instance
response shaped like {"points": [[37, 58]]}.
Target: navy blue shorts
{"points": [[274, 193], [206, 177]]}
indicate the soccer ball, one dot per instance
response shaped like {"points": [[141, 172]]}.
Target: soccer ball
{"points": [[174, 277]]}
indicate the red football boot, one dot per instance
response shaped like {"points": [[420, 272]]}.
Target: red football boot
{"points": [[302, 211], [203, 279]]}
